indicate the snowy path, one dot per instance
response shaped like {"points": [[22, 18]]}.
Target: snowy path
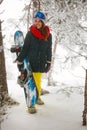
{"points": [[60, 112]]}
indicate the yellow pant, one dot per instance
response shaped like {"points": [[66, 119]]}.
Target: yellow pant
{"points": [[37, 78]]}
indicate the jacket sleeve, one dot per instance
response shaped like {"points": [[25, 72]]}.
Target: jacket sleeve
{"points": [[49, 50], [25, 48]]}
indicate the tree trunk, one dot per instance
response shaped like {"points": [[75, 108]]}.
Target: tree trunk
{"points": [[50, 80], [3, 82], [36, 5], [85, 101]]}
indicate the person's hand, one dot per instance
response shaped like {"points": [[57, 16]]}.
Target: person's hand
{"points": [[48, 67], [15, 48]]}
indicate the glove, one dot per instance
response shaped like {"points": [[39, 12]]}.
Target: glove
{"points": [[48, 66], [15, 49]]}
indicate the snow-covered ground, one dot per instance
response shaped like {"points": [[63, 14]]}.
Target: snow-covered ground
{"points": [[62, 110]]}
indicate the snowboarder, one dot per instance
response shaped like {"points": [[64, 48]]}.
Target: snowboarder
{"points": [[38, 49]]}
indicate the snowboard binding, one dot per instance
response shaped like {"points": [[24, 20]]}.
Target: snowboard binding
{"points": [[23, 78]]}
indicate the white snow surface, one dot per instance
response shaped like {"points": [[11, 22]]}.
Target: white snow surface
{"points": [[62, 110]]}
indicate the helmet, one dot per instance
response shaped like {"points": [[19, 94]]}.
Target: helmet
{"points": [[40, 15]]}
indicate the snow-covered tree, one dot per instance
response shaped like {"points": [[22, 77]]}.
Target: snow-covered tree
{"points": [[65, 18]]}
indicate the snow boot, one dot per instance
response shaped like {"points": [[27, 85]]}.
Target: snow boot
{"points": [[32, 110], [39, 102], [43, 92]]}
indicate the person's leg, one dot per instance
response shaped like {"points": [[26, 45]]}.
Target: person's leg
{"points": [[38, 78]]}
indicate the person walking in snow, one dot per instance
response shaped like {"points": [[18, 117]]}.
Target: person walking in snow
{"points": [[38, 49]]}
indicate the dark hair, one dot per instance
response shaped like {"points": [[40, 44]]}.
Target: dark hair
{"points": [[43, 30]]}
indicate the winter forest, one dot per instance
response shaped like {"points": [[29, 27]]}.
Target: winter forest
{"points": [[67, 79]]}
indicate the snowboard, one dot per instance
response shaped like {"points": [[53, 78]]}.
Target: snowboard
{"points": [[26, 75]]}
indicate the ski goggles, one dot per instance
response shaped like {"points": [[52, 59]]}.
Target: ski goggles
{"points": [[39, 15]]}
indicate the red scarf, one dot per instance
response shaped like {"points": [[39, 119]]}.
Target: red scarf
{"points": [[37, 33]]}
